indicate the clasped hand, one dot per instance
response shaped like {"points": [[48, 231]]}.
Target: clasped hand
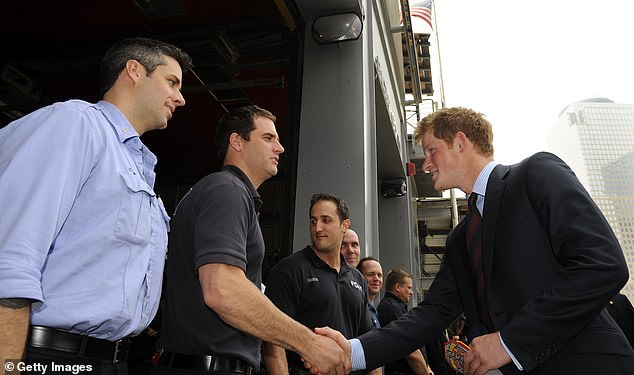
{"points": [[487, 353], [332, 355]]}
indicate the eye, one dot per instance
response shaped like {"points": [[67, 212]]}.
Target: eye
{"points": [[171, 82]]}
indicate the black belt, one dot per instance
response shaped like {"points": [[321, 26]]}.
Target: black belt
{"points": [[209, 363], [78, 345], [304, 371]]}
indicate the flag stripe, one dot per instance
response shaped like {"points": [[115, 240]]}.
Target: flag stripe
{"points": [[422, 10]]}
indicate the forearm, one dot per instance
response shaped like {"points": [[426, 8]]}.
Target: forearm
{"points": [[242, 305], [274, 359], [417, 362], [14, 323]]}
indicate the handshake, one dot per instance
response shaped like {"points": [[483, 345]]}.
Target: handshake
{"points": [[330, 353]]}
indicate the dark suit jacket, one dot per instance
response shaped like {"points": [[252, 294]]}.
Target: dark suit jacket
{"points": [[551, 264], [620, 308]]}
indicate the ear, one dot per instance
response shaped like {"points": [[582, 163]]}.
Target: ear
{"points": [[460, 141], [235, 141], [345, 225], [134, 70]]}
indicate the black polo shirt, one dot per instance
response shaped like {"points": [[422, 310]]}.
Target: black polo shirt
{"points": [[316, 295], [391, 308], [216, 222]]}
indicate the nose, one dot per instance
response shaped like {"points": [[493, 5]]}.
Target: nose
{"points": [[427, 164], [179, 99], [279, 148], [317, 225]]}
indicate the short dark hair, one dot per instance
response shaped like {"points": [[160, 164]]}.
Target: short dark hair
{"points": [[240, 121], [363, 260], [342, 209], [396, 276], [148, 52]]}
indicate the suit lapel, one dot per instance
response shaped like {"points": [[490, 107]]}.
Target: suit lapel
{"points": [[463, 252], [464, 277], [492, 199]]}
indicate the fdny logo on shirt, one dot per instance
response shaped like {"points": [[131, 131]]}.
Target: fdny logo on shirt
{"points": [[355, 285]]}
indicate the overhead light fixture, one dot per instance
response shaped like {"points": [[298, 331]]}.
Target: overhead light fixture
{"points": [[337, 28]]}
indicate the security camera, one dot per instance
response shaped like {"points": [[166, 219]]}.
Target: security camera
{"points": [[395, 187]]}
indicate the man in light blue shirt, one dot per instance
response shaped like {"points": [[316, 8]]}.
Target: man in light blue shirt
{"points": [[83, 235]]}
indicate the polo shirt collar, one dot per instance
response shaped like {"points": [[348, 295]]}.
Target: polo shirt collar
{"points": [[243, 177], [317, 262]]}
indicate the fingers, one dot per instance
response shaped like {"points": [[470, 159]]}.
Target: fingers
{"points": [[328, 332], [335, 335], [345, 362], [327, 356], [487, 353]]}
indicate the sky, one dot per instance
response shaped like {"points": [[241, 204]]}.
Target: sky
{"points": [[521, 63]]}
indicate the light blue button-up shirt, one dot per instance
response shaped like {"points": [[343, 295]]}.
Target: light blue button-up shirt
{"points": [[82, 231]]}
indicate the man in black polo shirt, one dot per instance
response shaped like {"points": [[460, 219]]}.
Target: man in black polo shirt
{"points": [[215, 314], [398, 291], [316, 287]]}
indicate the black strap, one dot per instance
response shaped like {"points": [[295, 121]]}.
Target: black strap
{"points": [[210, 363], [78, 345]]}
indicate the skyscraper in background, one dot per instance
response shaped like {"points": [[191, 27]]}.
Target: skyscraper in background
{"points": [[596, 138]]}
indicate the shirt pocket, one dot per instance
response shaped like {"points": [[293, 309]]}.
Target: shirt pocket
{"points": [[134, 221]]}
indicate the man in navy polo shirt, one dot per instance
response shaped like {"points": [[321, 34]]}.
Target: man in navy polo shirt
{"points": [[316, 287], [215, 313]]}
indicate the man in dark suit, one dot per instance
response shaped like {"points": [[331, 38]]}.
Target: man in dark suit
{"points": [[620, 308], [548, 258]]}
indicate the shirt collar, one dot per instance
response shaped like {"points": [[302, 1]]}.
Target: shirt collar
{"points": [[318, 262], [243, 177], [480, 186], [117, 119]]}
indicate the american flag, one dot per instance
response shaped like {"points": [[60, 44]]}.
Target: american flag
{"points": [[421, 9]]}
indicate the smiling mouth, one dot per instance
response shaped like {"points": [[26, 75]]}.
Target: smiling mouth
{"points": [[170, 110]]}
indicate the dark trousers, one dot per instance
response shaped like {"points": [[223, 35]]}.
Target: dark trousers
{"points": [[71, 364], [587, 363], [161, 370]]}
